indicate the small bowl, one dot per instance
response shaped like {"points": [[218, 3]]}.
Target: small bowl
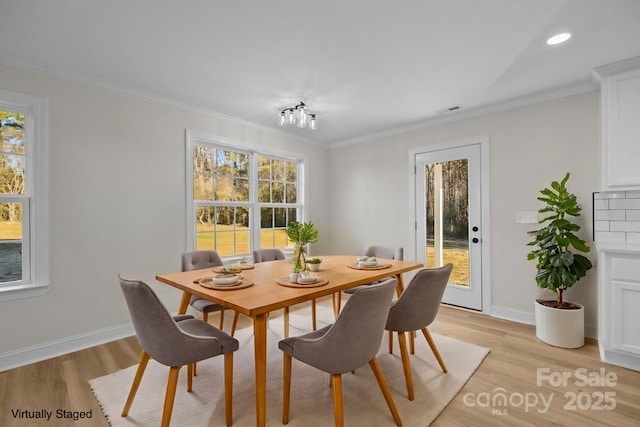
{"points": [[224, 279], [368, 263]]}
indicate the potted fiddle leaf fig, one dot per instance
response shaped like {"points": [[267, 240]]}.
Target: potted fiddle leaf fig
{"points": [[301, 234], [560, 263]]}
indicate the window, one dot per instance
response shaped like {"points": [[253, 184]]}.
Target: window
{"points": [[239, 199], [23, 196]]}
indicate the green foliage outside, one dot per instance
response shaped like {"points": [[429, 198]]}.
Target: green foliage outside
{"points": [[222, 176], [12, 162], [559, 267], [10, 231], [231, 241]]}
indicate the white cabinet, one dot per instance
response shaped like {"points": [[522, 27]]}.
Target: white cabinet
{"points": [[620, 115], [619, 306]]}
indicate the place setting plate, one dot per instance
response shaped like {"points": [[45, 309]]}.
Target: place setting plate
{"points": [[233, 269], [207, 282], [368, 265], [285, 281]]}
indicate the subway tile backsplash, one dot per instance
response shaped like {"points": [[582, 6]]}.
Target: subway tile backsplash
{"points": [[616, 217]]}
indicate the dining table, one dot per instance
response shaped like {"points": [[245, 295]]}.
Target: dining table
{"points": [[267, 288]]}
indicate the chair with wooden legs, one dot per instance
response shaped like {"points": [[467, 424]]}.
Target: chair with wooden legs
{"points": [[385, 252], [174, 342], [416, 309], [196, 260], [352, 341]]}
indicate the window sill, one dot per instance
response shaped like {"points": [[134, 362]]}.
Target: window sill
{"points": [[8, 293]]}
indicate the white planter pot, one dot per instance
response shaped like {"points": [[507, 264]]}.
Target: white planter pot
{"points": [[560, 328]]}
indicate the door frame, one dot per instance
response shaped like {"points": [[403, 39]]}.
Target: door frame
{"points": [[483, 142]]}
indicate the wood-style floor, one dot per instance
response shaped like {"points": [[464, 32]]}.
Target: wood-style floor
{"points": [[589, 398]]}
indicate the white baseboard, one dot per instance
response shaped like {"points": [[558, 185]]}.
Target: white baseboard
{"points": [[527, 318], [47, 350], [513, 315]]}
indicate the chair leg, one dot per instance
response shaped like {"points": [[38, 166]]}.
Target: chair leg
{"points": [[286, 388], [313, 315], [338, 412], [221, 319], [412, 342], [235, 323], [390, 342], [205, 317], [286, 322], [375, 367], [190, 368], [337, 302], [228, 388], [436, 353], [406, 365], [172, 384], [142, 365]]}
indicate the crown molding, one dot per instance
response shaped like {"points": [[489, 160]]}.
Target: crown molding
{"points": [[534, 98], [70, 77]]}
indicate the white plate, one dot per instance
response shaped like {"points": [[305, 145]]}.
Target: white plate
{"points": [[368, 263], [225, 280]]}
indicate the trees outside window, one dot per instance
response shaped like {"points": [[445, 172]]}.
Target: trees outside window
{"points": [[24, 258], [240, 199]]}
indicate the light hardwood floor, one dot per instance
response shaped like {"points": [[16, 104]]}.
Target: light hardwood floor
{"points": [[511, 370]]}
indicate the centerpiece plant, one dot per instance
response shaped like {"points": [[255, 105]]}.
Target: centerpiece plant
{"points": [[559, 250], [301, 234]]}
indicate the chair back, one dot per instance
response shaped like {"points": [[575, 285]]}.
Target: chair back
{"points": [[355, 337], [419, 303], [264, 255], [387, 252], [195, 260], [157, 331]]}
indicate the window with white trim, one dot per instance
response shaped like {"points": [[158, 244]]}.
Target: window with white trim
{"points": [[24, 268], [239, 200]]}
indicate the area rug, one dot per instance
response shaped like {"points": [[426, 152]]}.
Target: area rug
{"points": [[311, 398]]}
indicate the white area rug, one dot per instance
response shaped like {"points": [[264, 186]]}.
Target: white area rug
{"points": [[311, 399]]}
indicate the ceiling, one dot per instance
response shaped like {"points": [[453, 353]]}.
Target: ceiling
{"points": [[364, 66]]}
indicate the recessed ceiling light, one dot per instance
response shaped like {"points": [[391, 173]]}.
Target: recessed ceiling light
{"points": [[559, 38]]}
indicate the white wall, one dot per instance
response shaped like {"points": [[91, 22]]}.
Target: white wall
{"points": [[117, 179], [117, 204], [530, 146]]}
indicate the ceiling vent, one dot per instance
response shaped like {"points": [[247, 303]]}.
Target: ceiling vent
{"points": [[449, 110]]}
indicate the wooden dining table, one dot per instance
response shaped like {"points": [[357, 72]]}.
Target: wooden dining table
{"points": [[266, 295]]}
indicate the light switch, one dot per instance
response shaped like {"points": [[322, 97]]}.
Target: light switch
{"points": [[527, 217]]}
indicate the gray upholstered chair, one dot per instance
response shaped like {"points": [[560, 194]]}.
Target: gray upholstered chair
{"points": [[352, 341], [415, 310], [174, 342], [267, 254], [385, 252], [196, 260]]}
